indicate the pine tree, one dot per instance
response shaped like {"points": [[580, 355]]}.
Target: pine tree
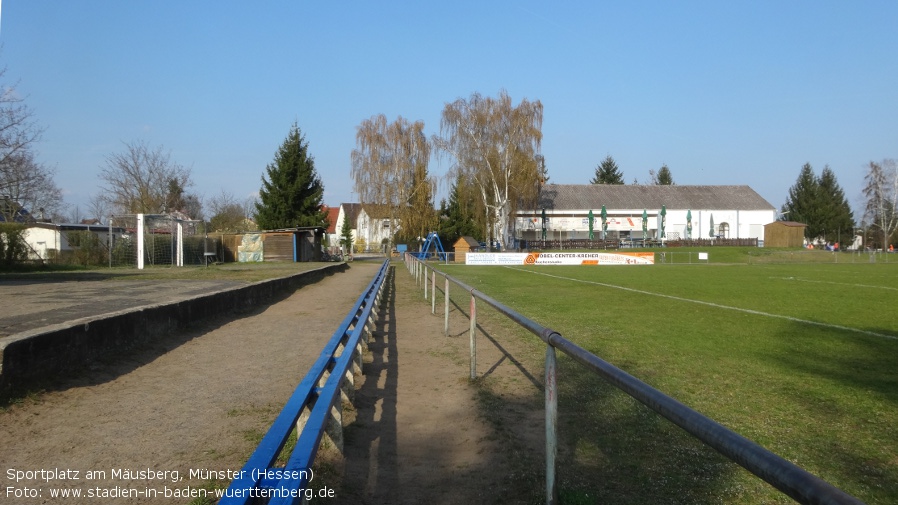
{"points": [[292, 194], [837, 218], [346, 235], [457, 218], [803, 203], [820, 203], [664, 177], [608, 173]]}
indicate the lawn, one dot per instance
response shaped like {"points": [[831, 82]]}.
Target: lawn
{"points": [[800, 358]]}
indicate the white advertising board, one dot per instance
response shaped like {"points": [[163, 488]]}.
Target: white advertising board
{"points": [[559, 258]]}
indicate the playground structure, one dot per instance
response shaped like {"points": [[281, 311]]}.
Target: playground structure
{"points": [[433, 240]]}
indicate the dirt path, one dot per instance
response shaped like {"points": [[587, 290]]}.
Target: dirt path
{"points": [[419, 435], [203, 400], [200, 400]]}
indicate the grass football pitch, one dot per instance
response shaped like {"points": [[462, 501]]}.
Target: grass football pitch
{"points": [[800, 358]]}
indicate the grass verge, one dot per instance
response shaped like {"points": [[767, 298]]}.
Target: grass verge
{"points": [[799, 358]]}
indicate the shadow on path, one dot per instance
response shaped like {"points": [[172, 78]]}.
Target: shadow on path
{"points": [[371, 471]]}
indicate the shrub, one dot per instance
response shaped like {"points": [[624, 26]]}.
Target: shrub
{"points": [[13, 248], [88, 249]]}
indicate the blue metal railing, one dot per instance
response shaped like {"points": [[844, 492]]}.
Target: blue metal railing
{"points": [[792, 480], [318, 392]]}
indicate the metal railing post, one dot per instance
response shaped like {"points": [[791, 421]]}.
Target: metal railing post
{"points": [[424, 279], [433, 292], [473, 341], [551, 425], [446, 310]]}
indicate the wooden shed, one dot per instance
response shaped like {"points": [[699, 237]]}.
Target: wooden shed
{"points": [[784, 234], [464, 245], [293, 244]]}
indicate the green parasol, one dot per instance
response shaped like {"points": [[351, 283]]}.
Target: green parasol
{"points": [[604, 222], [663, 219], [689, 224], [544, 224], [711, 231], [591, 219], [645, 225]]}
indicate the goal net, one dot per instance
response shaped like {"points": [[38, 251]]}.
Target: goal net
{"points": [[147, 240]]}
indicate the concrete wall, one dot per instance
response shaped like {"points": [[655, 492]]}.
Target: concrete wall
{"points": [[32, 356]]}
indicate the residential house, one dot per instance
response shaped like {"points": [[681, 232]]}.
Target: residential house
{"points": [[336, 216], [373, 228], [50, 241], [332, 234]]}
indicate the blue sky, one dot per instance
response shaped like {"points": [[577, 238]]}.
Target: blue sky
{"points": [[723, 92]]}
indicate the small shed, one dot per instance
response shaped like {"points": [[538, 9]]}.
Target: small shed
{"points": [[784, 234], [299, 244], [464, 245], [307, 241]]}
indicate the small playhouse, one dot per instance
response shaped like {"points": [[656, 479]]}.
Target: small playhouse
{"points": [[463, 246]]}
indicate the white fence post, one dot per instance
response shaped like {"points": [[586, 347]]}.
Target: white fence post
{"points": [[140, 238]]}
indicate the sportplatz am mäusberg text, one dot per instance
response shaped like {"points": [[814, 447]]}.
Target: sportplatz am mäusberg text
{"points": [[51, 482]]}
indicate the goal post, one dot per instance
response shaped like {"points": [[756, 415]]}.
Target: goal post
{"points": [[148, 240], [141, 246]]}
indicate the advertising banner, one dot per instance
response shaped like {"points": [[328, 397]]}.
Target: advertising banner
{"points": [[561, 258]]}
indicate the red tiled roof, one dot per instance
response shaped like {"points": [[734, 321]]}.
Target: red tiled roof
{"points": [[332, 214]]}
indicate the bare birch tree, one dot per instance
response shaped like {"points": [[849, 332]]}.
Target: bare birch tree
{"points": [[228, 214], [496, 146], [145, 180], [98, 208], [389, 168], [18, 130], [24, 183], [419, 216], [29, 184], [881, 190]]}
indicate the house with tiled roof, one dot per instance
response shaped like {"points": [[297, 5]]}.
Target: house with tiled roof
{"points": [[331, 233], [335, 218], [351, 212], [736, 212], [373, 227]]}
